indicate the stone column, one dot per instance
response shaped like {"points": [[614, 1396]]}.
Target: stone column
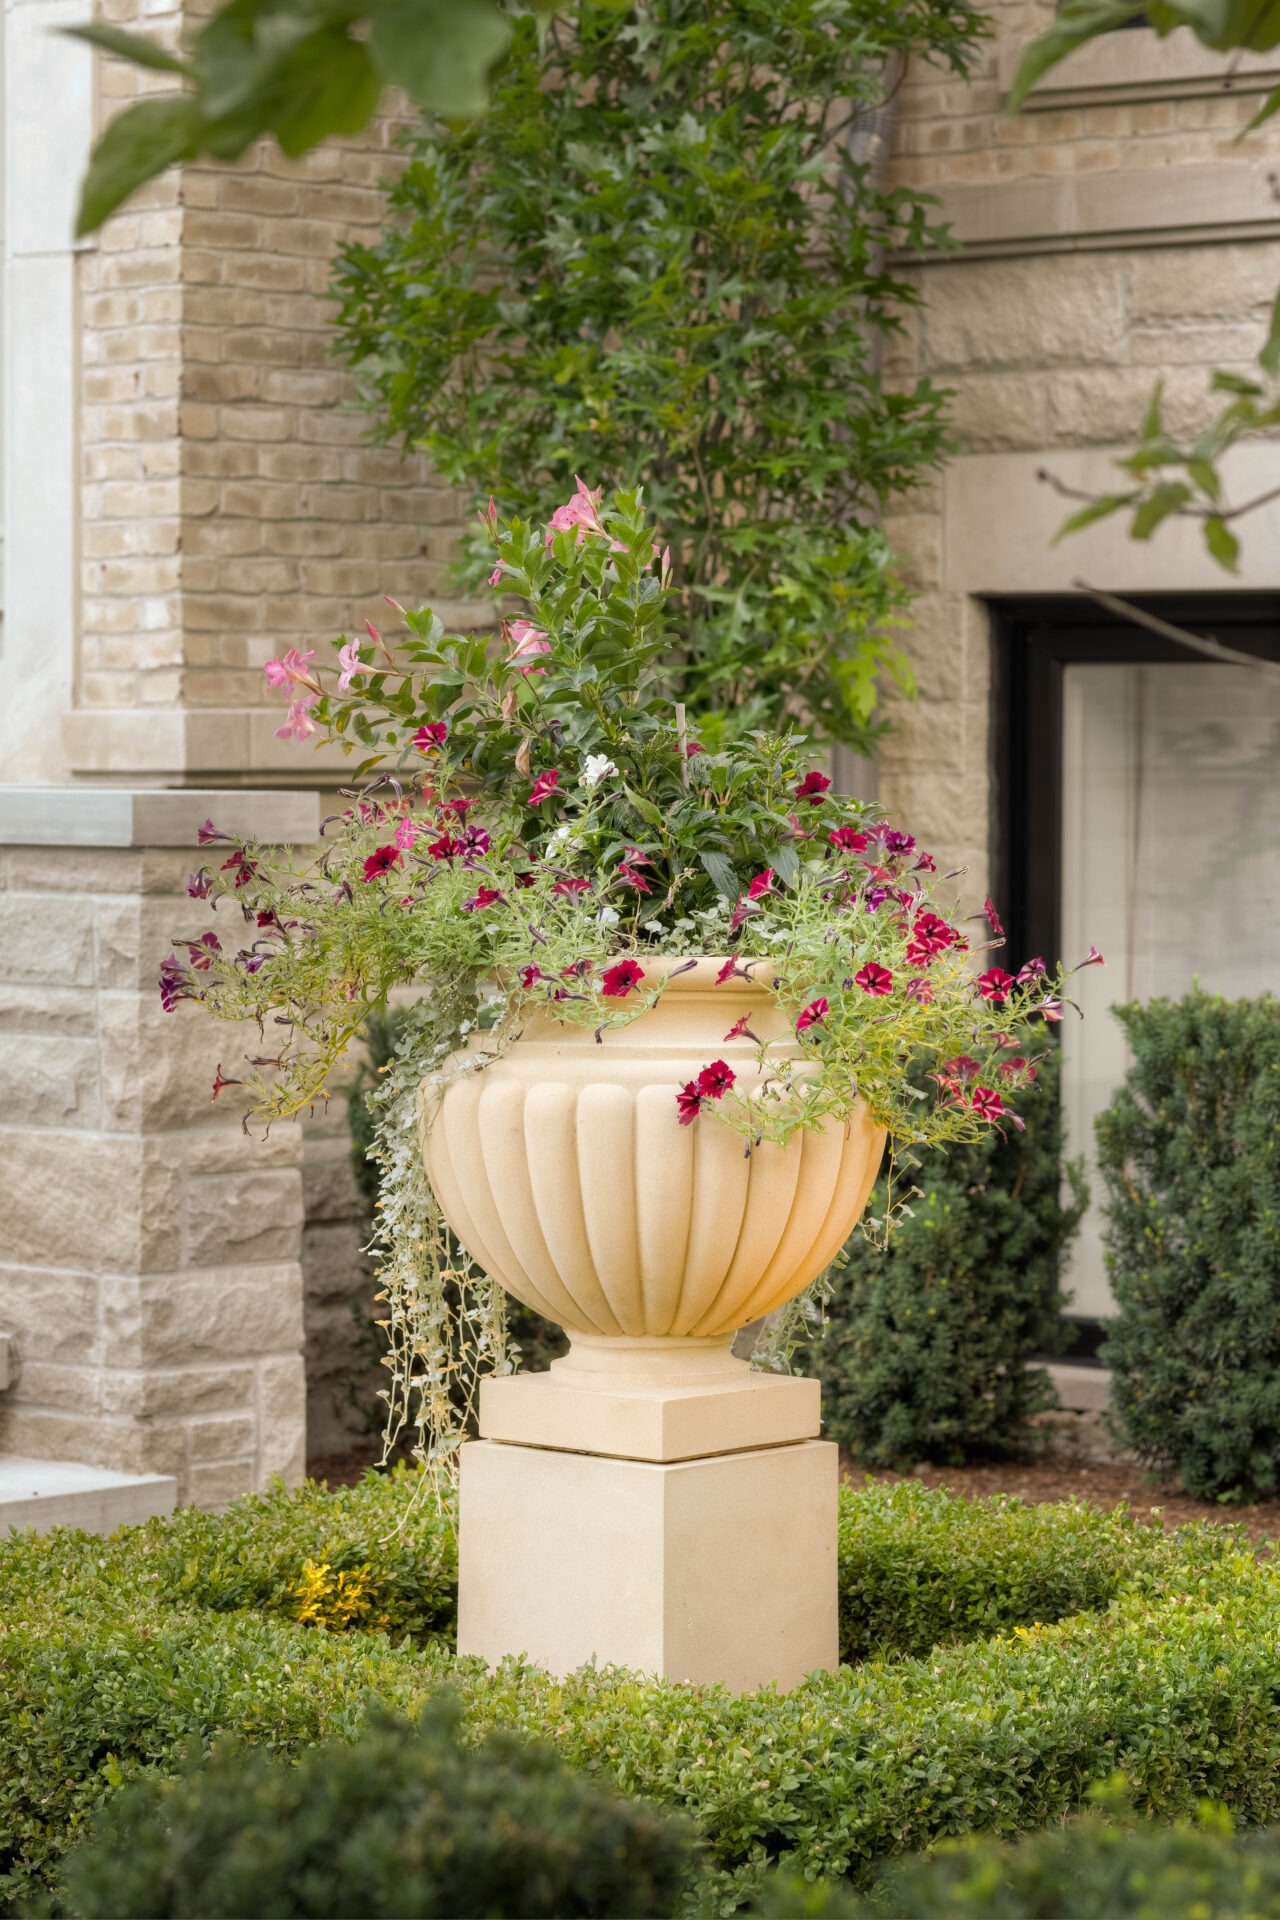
{"points": [[150, 1276]]}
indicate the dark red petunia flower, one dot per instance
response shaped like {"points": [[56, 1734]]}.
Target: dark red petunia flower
{"points": [[694, 746], [848, 840], [918, 955], [175, 983], [474, 841], [543, 787], [874, 978], [628, 877], [199, 885], [964, 1067], [993, 918], [929, 930], [576, 970], [570, 886], [986, 1103], [812, 787], [813, 1015], [715, 1080], [689, 1102], [895, 842], [219, 1082], [618, 981], [381, 861], [1033, 971], [1015, 1065], [266, 917], [445, 848], [203, 950], [487, 897], [207, 834], [459, 805], [727, 970], [530, 975], [526, 877], [921, 991], [994, 985], [762, 884], [242, 868], [738, 1028], [925, 863], [434, 734]]}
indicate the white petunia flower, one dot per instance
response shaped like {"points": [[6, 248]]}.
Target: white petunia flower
{"points": [[595, 767], [607, 917]]}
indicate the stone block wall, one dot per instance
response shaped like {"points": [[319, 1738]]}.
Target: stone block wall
{"points": [[149, 1271]]}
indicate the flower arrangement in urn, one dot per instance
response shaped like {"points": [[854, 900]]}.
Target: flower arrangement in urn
{"points": [[662, 1000]]}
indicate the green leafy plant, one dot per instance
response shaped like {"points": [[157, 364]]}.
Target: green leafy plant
{"points": [[543, 834], [661, 256], [298, 71], [925, 1345], [1164, 477], [1187, 1154], [403, 1820], [107, 1671]]}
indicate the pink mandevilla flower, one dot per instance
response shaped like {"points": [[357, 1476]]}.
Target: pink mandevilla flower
{"points": [[293, 666], [874, 979], [529, 641], [618, 981], [581, 511], [813, 1015], [297, 721], [350, 663], [994, 985]]}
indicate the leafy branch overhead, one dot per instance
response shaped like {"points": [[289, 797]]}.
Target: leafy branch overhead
{"points": [[1169, 478], [297, 71]]}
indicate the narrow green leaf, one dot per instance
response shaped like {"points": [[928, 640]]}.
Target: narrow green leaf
{"points": [[137, 145], [1096, 510], [1152, 420], [1165, 499], [1269, 358], [1205, 476], [1074, 24], [1222, 543], [128, 46]]}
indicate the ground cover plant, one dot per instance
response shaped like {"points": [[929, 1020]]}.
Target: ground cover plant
{"points": [[1187, 1154], [663, 256], [111, 1662], [926, 1344]]}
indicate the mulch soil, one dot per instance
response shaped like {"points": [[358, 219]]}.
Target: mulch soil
{"points": [[1054, 1478]]}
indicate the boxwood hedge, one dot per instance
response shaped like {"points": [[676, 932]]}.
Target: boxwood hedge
{"points": [[114, 1658]]}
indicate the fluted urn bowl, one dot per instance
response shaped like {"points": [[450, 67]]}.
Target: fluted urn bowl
{"points": [[563, 1168]]}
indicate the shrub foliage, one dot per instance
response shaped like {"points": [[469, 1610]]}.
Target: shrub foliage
{"points": [[658, 259], [404, 1820], [925, 1350], [1188, 1153]]}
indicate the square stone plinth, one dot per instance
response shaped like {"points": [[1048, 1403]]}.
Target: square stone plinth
{"points": [[720, 1570], [648, 1420]]}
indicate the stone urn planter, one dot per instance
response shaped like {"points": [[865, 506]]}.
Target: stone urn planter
{"points": [[649, 1465]]}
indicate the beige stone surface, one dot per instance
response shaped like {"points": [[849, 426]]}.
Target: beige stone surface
{"points": [[656, 1399], [716, 1572]]}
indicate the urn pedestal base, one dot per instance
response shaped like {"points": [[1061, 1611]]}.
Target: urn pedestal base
{"points": [[718, 1570]]}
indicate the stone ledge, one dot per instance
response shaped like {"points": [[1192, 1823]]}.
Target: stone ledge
{"points": [[64, 1493], [1081, 1389], [190, 742], [67, 816]]}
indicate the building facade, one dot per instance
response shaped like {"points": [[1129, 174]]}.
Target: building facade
{"points": [[187, 488]]}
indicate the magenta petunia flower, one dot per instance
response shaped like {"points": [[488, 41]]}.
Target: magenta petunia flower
{"points": [[875, 897], [963, 1067], [241, 867], [199, 885], [1092, 959], [405, 835], [715, 1080], [219, 1082], [381, 861], [486, 897], [618, 981], [848, 840], [175, 983], [628, 877], [689, 1102], [544, 787], [570, 886], [993, 918], [925, 863], [874, 979], [1015, 1065], [738, 1028], [1033, 971], [694, 746], [459, 805], [727, 970], [762, 884], [813, 1015], [930, 931], [445, 848], [994, 985], [203, 950], [986, 1103], [207, 834], [474, 841], [434, 734], [919, 990], [895, 842], [812, 787], [530, 975]]}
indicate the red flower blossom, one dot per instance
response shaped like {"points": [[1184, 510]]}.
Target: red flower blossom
{"points": [[572, 884], [203, 950], [813, 1015], [1015, 1065], [267, 918], [241, 867], [932, 933], [530, 976], [848, 840], [917, 955], [543, 787], [986, 1103], [382, 860], [1092, 959], [525, 877], [895, 842], [875, 897], [207, 834], [618, 981], [219, 1082], [628, 877], [460, 804], [576, 970], [689, 1102], [434, 734], [762, 884], [812, 788], [694, 746], [925, 863], [487, 897], [993, 918], [1033, 971], [199, 885], [994, 985], [963, 1067], [175, 983], [715, 1081], [874, 979], [727, 970], [921, 991], [445, 848], [738, 1028]]}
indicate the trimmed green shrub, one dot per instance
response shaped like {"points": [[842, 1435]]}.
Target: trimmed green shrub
{"points": [[401, 1821], [1189, 1152], [925, 1349], [1091, 1869], [106, 1670]]}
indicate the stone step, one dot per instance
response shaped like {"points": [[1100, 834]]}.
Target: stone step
{"points": [[64, 1493]]}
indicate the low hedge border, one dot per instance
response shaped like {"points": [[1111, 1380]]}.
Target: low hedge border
{"points": [[111, 1660]]}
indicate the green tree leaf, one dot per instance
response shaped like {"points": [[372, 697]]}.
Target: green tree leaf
{"points": [[441, 51], [1158, 505], [129, 46], [1222, 543], [138, 144]]}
